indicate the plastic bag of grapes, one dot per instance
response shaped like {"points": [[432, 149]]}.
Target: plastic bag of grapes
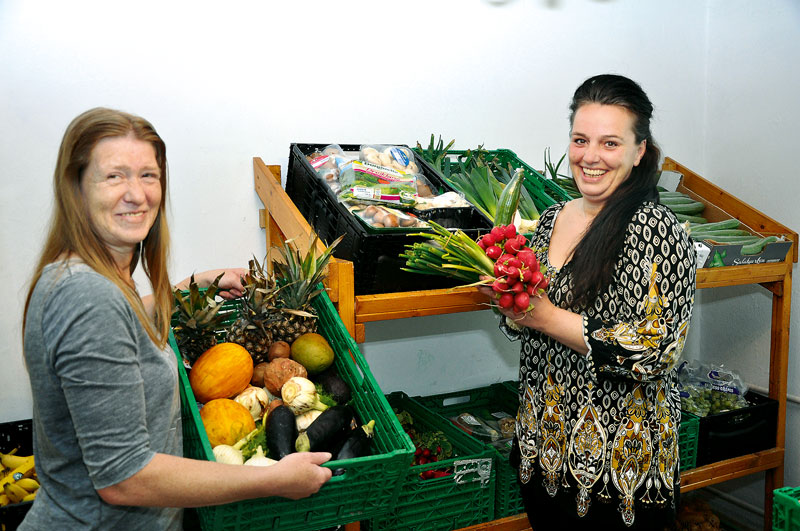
{"points": [[707, 389]]}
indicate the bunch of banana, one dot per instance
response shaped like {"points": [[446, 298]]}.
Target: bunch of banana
{"points": [[17, 478]]}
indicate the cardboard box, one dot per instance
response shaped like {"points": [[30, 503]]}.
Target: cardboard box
{"points": [[714, 254]]}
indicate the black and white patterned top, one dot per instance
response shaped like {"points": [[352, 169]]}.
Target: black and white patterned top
{"points": [[604, 427]]}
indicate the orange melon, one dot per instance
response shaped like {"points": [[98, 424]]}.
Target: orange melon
{"points": [[222, 371], [226, 421]]}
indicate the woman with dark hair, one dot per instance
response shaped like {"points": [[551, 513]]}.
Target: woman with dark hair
{"points": [[106, 409], [597, 430]]}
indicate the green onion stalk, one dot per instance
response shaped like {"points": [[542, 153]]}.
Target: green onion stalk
{"points": [[450, 254]]}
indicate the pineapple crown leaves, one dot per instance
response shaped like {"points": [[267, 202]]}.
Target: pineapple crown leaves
{"points": [[259, 288], [197, 309], [298, 274]]}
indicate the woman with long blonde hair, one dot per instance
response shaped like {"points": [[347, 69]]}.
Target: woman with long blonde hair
{"points": [[106, 409]]}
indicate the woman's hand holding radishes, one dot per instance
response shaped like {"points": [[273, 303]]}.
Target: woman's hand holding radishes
{"points": [[518, 276]]}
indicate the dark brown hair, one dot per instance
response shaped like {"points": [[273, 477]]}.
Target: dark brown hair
{"points": [[598, 251]]}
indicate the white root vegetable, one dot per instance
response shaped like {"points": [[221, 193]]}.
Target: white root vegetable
{"points": [[259, 459], [224, 453]]}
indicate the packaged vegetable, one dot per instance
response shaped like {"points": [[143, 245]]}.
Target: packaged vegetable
{"points": [[492, 427], [707, 389], [326, 158], [381, 216], [396, 157], [365, 181], [327, 163], [445, 200]]}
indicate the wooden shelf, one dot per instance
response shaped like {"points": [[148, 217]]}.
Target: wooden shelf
{"points": [[282, 220]]}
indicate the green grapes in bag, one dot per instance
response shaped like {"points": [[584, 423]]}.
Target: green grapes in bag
{"points": [[707, 389]]}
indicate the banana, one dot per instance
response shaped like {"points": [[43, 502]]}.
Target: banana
{"points": [[30, 497], [13, 461], [4, 499], [14, 492], [28, 484], [25, 470]]}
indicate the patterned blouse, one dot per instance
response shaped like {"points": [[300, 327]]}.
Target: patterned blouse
{"points": [[605, 426]]}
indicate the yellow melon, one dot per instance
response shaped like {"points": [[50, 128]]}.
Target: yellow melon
{"points": [[222, 371], [226, 421]]}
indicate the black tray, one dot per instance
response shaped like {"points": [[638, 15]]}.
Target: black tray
{"points": [[375, 256], [734, 433]]}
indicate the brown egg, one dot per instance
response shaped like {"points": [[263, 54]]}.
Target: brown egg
{"points": [[408, 222], [390, 220], [378, 225]]}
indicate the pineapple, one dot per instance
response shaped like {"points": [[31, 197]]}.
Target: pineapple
{"points": [[298, 277], [256, 311], [196, 319]]}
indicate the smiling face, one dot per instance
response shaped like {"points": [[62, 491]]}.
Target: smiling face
{"points": [[121, 187], [602, 149]]}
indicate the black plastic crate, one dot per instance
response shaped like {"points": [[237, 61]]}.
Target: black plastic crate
{"points": [[739, 432], [17, 434], [375, 254]]}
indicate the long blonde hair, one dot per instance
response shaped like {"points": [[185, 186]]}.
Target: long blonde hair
{"points": [[71, 232]]}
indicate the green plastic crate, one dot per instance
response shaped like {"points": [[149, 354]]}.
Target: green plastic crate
{"points": [[688, 436], [442, 504], [786, 509], [370, 484], [484, 402], [543, 191]]}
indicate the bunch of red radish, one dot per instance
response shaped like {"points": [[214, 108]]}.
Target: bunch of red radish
{"points": [[518, 276]]}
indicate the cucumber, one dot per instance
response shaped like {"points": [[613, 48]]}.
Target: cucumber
{"points": [[690, 219], [729, 240], [730, 223], [758, 246], [671, 194], [699, 231], [669, 201], [690, 209], [508, 201]]}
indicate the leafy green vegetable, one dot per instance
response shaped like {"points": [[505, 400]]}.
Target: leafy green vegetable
{"points": [[256, 439], [324, 396]]}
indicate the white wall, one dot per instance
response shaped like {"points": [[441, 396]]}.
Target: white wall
{"points": [[752, 112], [225, 84]]}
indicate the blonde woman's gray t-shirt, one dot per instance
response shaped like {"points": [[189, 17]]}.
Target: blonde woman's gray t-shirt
{"points": [[105, 401]]}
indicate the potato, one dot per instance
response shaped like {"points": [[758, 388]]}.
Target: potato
{"points": [[278, 372], [279, 349], [258, 374]]}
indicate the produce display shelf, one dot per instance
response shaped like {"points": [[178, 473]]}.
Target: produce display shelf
{"points": [[281, 219], [369, 486]]}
